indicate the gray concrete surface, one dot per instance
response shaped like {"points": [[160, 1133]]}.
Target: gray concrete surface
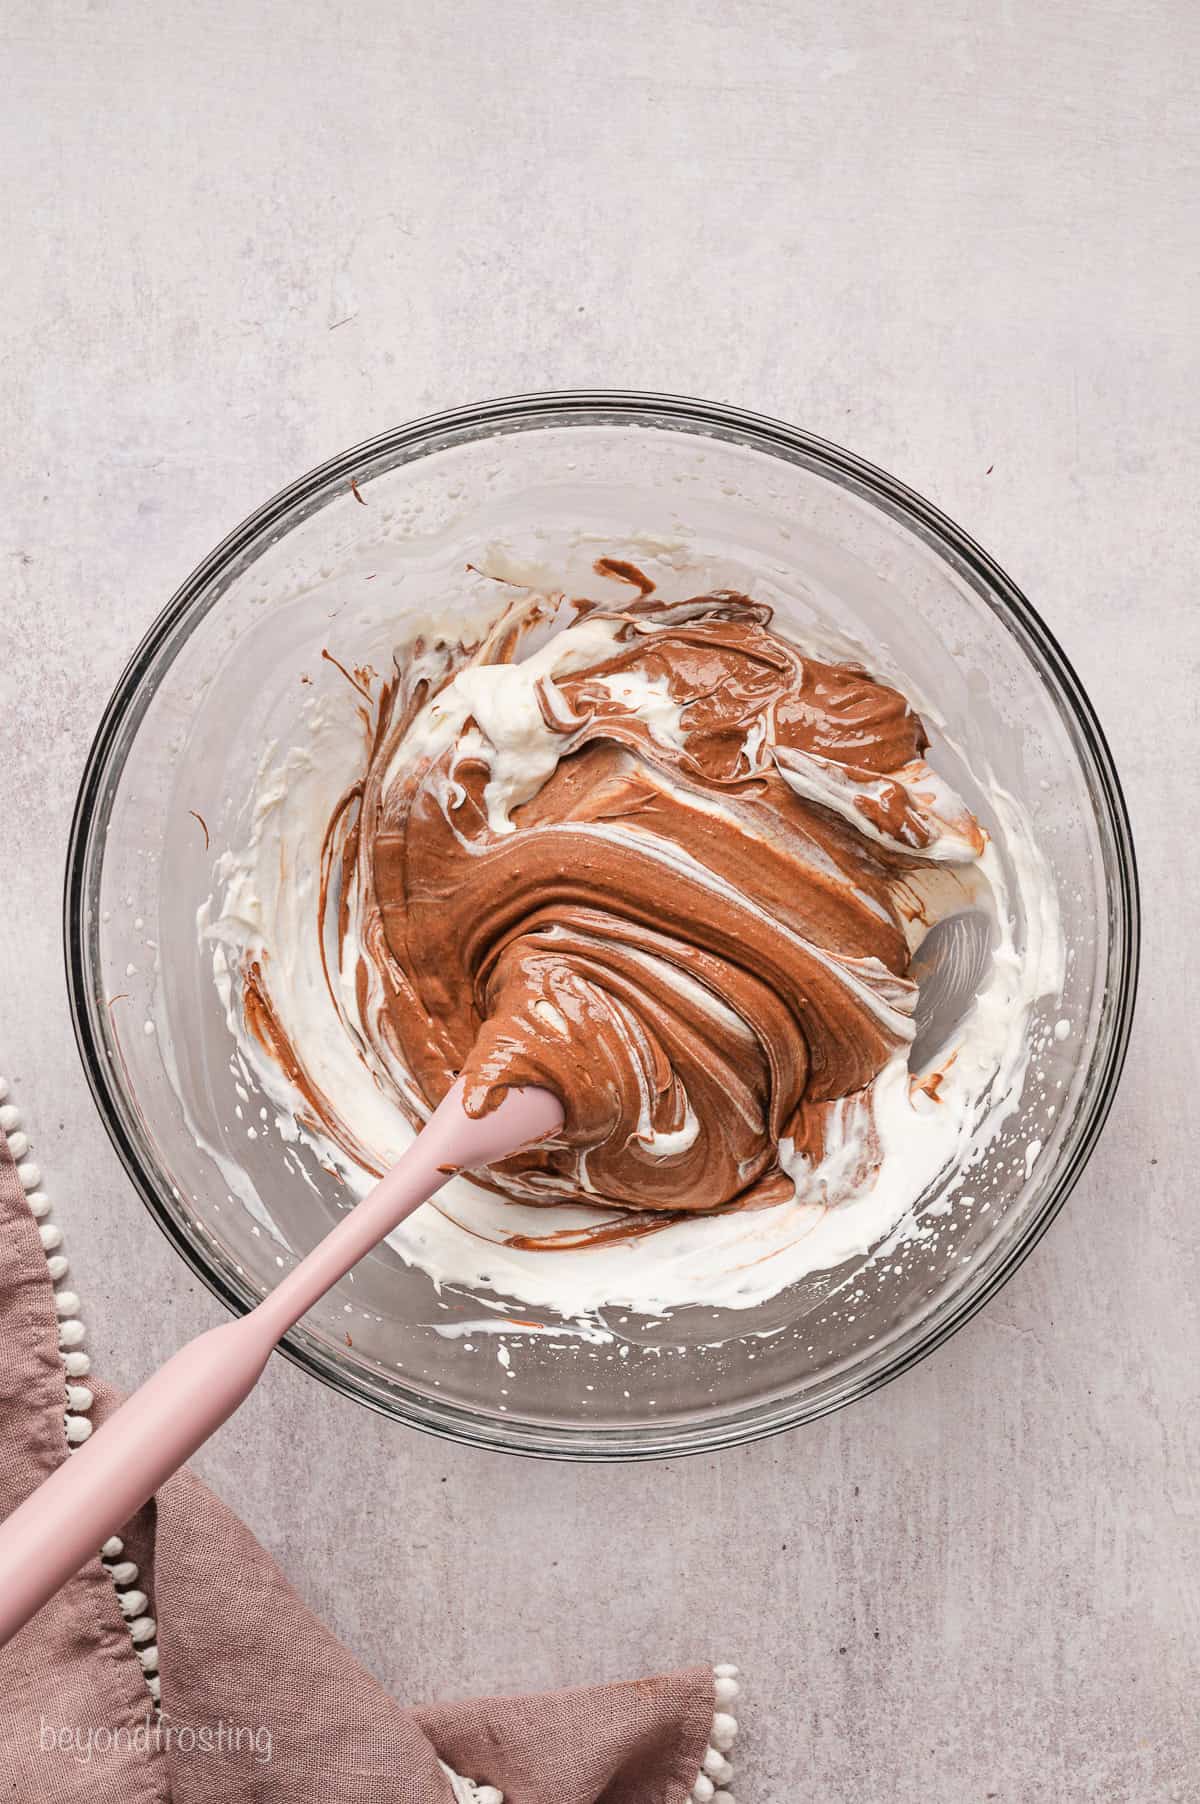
{"points": [[960, 239]]}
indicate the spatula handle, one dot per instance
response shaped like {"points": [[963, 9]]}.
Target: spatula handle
{"points": [[85, 1500], [88, 1498]]}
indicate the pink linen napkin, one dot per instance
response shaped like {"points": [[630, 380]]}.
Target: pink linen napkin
{"points": [[260, 1703]]}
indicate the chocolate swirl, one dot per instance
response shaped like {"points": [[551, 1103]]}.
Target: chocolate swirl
{"points": [[653, 858]]}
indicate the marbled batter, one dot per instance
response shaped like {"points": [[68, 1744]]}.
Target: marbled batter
{"points": [[653, 858]]}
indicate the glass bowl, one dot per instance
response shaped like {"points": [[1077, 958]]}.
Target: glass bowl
{"points": [[747, 502]]}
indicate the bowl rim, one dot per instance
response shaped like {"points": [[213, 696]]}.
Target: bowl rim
{"points": [[583, 407]]}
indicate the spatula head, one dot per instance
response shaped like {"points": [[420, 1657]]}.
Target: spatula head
{"points": [[950, 965]]}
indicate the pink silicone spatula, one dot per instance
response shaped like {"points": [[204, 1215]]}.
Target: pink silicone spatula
{"points": [[88, 1498]]}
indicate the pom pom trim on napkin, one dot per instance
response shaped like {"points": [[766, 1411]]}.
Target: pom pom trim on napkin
{"points": [[77, 1366], [716, 1768]]}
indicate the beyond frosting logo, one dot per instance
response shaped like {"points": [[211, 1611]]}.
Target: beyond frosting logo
{"points": [[155, 1735]]}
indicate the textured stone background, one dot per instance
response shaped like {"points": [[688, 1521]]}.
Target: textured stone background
{"points": [[961, 239]]}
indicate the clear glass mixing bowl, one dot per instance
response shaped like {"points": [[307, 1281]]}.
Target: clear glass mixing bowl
{"points": [[552, 478]]}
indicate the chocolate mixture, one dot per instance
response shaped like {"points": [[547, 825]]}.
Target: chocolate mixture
{"points": [[690, 922]]}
